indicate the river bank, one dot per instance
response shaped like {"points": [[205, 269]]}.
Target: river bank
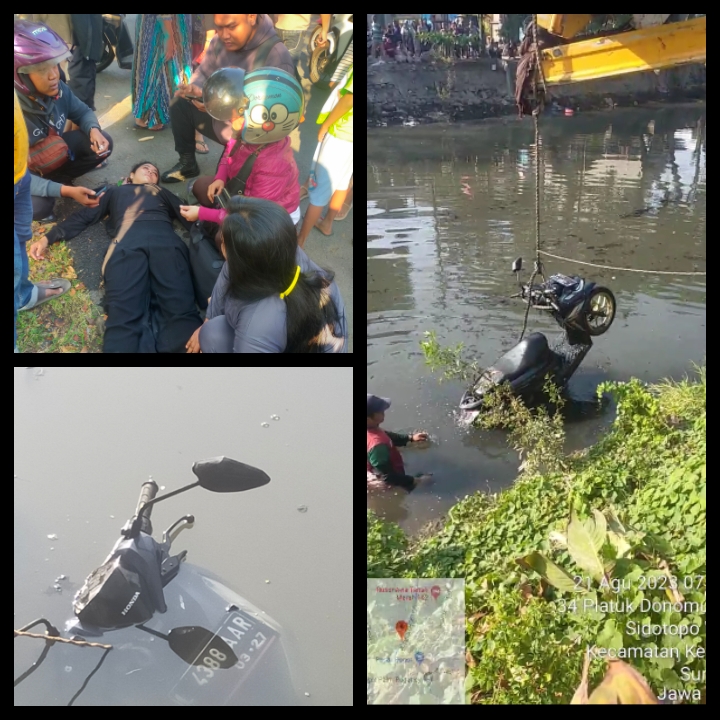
{"points": [[636, 539], [451, 91]]}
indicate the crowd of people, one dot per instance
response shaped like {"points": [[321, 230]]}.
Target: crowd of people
{"points": [[400, 40], [224, 79]]}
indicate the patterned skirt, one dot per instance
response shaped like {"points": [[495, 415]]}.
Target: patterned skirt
{"points": [[163, 56]]}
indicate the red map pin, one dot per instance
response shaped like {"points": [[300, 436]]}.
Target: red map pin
{"points": [[401, 627]]}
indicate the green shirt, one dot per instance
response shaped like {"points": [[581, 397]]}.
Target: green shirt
{"points": [[379, 456]]}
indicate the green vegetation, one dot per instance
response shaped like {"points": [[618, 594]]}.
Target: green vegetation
{"points": [[595, 550], [70, 323]]}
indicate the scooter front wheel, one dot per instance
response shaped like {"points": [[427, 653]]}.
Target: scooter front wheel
{"points": [[599, 311], [320, 65], [469, 401]]}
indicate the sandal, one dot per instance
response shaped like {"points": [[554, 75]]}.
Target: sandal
{"points": [[344, 210], [42, 286], [101, 165], [154, 128], [303, 192], [322, 232], [204, 145]]}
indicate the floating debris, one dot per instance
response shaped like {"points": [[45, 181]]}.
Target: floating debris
{"points": [[302, 508], [264, 424], [52, 537], [274, 417], [267, 582], [307, 694]]}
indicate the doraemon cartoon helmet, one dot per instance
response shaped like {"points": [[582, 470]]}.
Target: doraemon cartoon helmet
{"points": [[270, 101]]}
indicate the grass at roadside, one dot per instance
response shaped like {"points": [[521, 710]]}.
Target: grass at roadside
{"points": [[69, 323]]}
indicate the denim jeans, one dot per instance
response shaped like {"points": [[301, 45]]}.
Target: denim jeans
{"points": [[294, 40], [23, 233]]}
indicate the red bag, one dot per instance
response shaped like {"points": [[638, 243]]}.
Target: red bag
{"points": [[48, 154]]}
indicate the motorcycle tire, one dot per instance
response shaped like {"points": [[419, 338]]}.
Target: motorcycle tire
{"points": [[321, 68], [590, 315], [107, 57], [312, 43]]}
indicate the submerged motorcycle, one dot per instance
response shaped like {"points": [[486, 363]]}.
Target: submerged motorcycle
{"points": [[582, 309], [330, 62], [166, 633]]}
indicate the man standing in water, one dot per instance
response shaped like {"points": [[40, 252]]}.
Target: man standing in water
{"points": [[384, 463]]}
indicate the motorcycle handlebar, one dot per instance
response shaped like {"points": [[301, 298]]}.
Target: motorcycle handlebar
{"points": [[147, 493]]}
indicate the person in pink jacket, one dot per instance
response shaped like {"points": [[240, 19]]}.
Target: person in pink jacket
{"points": [[264, 107]]}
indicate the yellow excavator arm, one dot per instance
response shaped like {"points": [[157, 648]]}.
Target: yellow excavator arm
{"points": [[653, 46]]}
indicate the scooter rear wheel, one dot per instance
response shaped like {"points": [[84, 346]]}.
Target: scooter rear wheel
{"points": [[599, 311]]}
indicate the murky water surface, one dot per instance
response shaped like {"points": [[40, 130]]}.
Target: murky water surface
{"points": [[450, 207], [85, 441]]}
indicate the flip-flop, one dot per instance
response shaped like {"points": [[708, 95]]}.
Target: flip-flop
{"points": [[53, 284], [204, 144], [154, 128], [101, 165], [344, 210], [330, 234]]}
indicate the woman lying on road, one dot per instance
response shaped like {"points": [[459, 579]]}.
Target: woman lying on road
{"points": [[146, 267]]}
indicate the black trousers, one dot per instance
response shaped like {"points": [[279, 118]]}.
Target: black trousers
{"points": [[82, 77], [185, 118], [149, 267], [84, 160]]}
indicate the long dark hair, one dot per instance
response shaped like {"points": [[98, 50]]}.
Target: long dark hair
{"points": [[260, 245]]}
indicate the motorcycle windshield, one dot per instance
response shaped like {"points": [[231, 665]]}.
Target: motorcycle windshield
{"points": [[212, 647]]}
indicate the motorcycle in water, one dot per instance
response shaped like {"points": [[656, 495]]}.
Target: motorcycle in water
{"points": [[167, 633], [329, 62], [582, 309], [116, 43]]}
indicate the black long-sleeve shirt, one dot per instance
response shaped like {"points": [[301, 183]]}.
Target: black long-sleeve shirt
{"points": [[124, 206]]}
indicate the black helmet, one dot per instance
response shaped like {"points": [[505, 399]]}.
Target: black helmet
{"points": [[223, 92]]}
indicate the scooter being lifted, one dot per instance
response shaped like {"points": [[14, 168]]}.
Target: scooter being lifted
{"points": [[582, 309], [168, 633]]}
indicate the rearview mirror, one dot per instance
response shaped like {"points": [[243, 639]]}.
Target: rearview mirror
{"points": [[222, 474], [517, 265]]}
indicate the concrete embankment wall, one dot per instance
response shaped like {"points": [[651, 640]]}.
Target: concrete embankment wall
{"points": [[433, 91]]}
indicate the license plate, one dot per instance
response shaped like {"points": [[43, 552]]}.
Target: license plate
{"points": [[245, 638]]}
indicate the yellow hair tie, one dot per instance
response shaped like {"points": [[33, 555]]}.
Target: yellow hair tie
{"points": [[292, 284]]}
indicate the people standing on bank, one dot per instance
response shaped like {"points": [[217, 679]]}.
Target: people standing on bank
{"points": [[377, 40], [244, 41]]}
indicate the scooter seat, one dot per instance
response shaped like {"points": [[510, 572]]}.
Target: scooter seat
{"points": [[531, 353]]}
